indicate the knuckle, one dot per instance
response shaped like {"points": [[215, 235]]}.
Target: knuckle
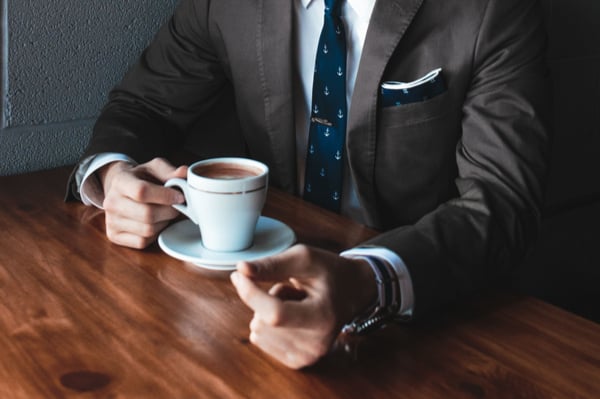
{"points": [[146, 215], [274, 320], [139, 243], [109, 203], [157, 164], [111, 235], [255, 325], [298, 361], [139, 192], [277, 317], [304, 252], [157, 161], [147, 231], [302, 249], [253, 338], [143, 244], [294, 364]]}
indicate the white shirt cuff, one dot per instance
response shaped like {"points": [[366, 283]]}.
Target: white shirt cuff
{"points": [[407, 297], [89, 186]]}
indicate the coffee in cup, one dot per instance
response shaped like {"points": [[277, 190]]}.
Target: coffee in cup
{"points": [[224, 197], [226, 170]]}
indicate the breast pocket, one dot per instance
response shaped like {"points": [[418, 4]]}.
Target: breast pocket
{"points": [[415, 157], [414, 113]]}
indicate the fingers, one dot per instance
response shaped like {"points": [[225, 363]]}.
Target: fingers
{"points": [[297, 320], [287, 335], [287, 292], [295, 262], [161, 170], [256, 299], [133, 240], [292, 347], [136, 186], [137, 205], [125, 208], [271, 309]]}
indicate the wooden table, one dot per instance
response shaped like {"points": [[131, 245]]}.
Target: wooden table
{"points": [[82, 318]]}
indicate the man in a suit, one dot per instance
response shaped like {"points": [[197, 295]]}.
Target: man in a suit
{"points": [[454, 182]]}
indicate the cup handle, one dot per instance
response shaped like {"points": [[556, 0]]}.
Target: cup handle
{"points": [[183, 208]]}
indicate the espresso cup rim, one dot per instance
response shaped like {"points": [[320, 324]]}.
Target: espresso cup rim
{"points": [[228, 186]]}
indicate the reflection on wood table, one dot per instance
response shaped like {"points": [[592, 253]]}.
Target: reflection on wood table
{"points": [[81, 317]]}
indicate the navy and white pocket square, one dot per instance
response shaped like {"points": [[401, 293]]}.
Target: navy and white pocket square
{"points": [[426, 87]]}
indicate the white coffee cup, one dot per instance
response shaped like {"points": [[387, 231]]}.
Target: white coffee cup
{"points": [[224, 197]]}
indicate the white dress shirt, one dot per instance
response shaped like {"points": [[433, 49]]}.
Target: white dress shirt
{"points": [[355, 15], [308, 16]]}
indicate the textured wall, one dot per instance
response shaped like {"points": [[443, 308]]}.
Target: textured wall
{"points": [[59, 59]]}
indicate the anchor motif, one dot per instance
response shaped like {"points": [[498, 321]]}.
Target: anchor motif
{"points": [[338, 155], [338, 30], [339, 71], [327, 132], [340, 114], [326, 91], [336, 196], [325, 49], [322, 172], [308, 188], [311, 149], [315, 109]]}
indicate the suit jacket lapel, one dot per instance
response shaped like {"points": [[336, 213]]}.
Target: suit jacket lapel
{"points": [[389, 21], [275, 55]]}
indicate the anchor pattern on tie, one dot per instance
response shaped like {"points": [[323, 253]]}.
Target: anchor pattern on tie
{"points": [[325, 157]]}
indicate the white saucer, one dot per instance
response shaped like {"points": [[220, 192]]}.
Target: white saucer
{"points": [[182, 241]]}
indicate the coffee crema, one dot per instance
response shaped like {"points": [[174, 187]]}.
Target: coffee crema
{"points": [[226, 171]]}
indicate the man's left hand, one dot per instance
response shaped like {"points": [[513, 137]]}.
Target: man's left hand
{"points": [[314, 294]]}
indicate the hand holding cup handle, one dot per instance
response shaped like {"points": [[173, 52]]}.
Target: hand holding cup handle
{"points": [[183, 208], [224, 197]]}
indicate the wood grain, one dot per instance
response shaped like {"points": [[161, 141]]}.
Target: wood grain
{"points": [[80, 317]]}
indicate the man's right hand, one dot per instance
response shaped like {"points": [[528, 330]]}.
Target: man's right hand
{"points": [[137, 205]]}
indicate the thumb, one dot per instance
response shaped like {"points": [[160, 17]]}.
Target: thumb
{"points": [[295, 262], [161, 170]]}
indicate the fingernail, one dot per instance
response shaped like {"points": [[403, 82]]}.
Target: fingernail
{"points": [[234, 277], [179, 198]]}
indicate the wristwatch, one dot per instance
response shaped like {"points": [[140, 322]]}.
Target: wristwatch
{"points": [[387, 304]]}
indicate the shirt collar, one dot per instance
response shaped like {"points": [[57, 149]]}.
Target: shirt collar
{"points": [[360, 7]]}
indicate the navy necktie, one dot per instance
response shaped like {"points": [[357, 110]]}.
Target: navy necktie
{"points": [[324, 158]]}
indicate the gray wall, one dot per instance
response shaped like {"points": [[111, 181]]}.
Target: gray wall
{"points": [[59, 59]]}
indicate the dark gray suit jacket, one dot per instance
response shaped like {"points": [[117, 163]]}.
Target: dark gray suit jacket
{"points": [[455, 182]]}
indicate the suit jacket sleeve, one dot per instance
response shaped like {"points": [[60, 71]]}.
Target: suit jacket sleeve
{"points": [[471, 240], [177, 81]]}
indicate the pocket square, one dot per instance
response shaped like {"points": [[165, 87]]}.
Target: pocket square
{"points": [[424, 88]]}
